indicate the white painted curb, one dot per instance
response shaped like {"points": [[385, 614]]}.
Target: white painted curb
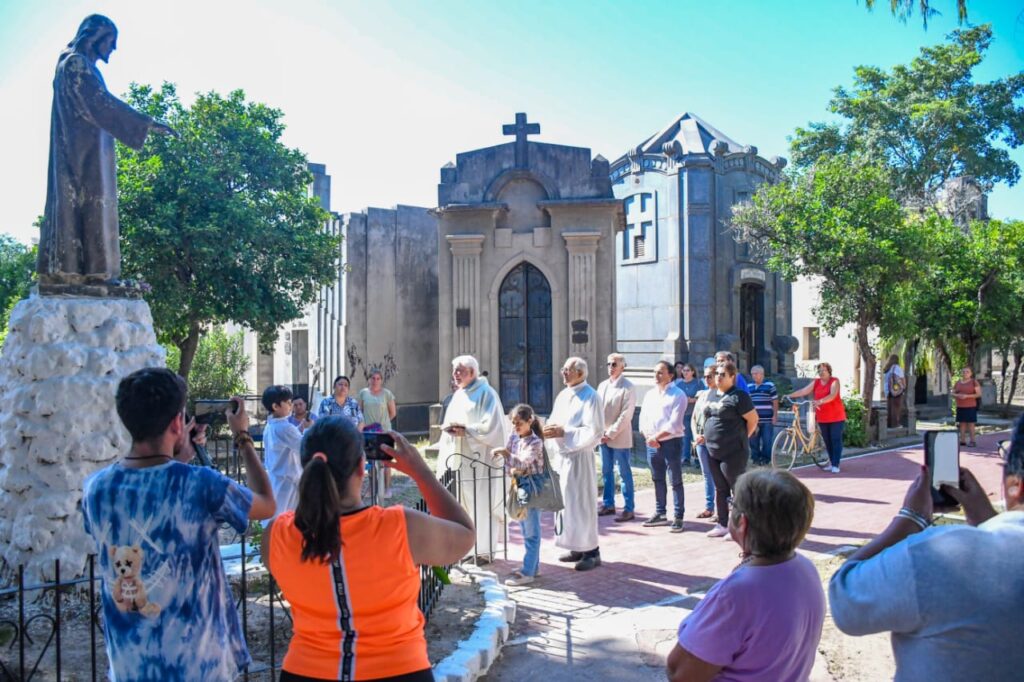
{"points": [[474, 655]]}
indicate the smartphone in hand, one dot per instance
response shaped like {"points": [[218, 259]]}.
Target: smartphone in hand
{"points": [[942, 457]]}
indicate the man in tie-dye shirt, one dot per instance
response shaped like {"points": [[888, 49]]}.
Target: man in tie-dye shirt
{"points": [[167, 610]]}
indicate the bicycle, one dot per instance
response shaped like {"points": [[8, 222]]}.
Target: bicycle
{"points": [[794, 442]]}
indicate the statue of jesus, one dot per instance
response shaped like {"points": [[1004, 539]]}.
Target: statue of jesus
{"points": [[79, 239]]}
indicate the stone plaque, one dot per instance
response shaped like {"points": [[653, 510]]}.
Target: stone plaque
{"points": [[580, 338], [462, 317], [579, 326], [752, 273]]}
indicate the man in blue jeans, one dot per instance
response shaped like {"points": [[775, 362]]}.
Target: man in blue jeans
{"points": [[661, 422], [618, 399], [766, 402]]}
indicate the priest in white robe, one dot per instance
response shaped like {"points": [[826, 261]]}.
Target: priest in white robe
{"points": [[571, 434], [474, 425]]}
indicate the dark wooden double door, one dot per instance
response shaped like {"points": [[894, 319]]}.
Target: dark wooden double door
{"points": [[524, 347]]}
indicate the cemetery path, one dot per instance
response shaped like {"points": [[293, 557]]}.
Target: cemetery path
{"points": [[619, 621]]}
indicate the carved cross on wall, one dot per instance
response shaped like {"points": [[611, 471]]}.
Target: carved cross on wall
{"points": [[521, 129]]}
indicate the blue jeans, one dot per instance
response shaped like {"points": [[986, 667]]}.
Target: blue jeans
{"points": [[709, 483], [667, 457], [530, 527], [687, 439], [529, 486], [761, 443], [609, 457], [832, 434]]}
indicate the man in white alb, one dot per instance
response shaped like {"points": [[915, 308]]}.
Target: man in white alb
{"points": [[474, 425], [572, 432]]}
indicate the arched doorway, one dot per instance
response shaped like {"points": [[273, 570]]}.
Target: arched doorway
{"points": [[752, 325], [524, 339]]}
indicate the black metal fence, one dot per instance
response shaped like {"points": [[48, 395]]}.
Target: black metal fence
{"points": [[54, 630]]}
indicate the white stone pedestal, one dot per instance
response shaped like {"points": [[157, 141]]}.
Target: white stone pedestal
{"points": [[59, 371]]}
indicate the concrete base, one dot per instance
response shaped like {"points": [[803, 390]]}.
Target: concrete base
{"points": [[61, 363]]}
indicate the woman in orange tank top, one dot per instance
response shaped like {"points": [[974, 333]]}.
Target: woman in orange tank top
{"points": [[350, 571], [831, 413]]}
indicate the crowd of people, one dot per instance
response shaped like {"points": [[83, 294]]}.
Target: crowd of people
{"points": [[349, 570]]}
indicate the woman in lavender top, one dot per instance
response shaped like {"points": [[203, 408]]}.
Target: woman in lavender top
{"points": [[763, 621], [342, 404]]}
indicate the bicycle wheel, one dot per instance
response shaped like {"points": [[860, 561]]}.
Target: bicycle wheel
{"points": [[784, 450], [816, 450]]}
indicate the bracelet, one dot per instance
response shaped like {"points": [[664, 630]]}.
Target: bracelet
{"points": [[242, 438], [912, 515]]}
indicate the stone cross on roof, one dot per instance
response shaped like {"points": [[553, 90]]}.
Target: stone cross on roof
{"points": [[521, 129]]}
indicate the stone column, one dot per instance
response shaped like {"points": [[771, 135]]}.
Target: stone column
{"points": [[465, 322], [582, 294]]}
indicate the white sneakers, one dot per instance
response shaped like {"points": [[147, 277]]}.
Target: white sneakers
{"points": [[834, 470], [718, 532], [517, 579]]}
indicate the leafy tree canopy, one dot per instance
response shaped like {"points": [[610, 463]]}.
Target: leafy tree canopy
{"points": [[17, 274], [839, 223], [904, 9], [928, 121], [219, 220], [219, 368]]}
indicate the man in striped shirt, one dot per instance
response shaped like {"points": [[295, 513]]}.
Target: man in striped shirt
{"points": [[766, 402]]}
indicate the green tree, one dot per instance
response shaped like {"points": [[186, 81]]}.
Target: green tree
{"points": [[927, 121], [219, 221], [219, 366], [17, 274], [904, 9], [972, 293], [838, 223]]}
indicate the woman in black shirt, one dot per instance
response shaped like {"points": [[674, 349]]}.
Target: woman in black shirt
{"points": [[731, 420]]}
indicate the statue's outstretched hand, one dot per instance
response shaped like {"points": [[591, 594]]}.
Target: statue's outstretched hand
{"points": [[164, 129]]}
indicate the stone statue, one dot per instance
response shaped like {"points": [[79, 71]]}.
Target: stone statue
{"points": [[78, 246]]}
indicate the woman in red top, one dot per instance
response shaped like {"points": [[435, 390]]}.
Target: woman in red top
{"points": [[349, 571], [831, 414], [967, 391]]}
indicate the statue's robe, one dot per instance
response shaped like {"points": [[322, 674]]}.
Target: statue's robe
{"points": [[80, 226]]}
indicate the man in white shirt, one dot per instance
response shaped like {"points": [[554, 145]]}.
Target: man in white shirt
{"points": [[573, 431], [474, 425], [618, 401], [661, 422]]}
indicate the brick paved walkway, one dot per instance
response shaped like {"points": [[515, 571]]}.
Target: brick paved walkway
{"points": [[617, 622]]}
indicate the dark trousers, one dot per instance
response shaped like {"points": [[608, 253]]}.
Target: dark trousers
{"points": [[895, 405], [724, 473], [832, 434], [667, 457]]}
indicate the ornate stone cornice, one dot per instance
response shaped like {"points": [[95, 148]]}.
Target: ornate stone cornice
{"points": [[581, 242], [466, 244]]}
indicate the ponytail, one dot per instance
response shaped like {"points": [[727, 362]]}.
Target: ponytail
{"points": [[536, 428], [331, 454], [319, 511]]}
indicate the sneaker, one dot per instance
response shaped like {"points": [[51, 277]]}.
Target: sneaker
{"points": [[624, 516], [677, 526], [718, 532], [518, 579], [834, 470], [656, 520]]}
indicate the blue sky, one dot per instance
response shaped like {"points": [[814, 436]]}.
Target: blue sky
{"points": [[385, 93]]}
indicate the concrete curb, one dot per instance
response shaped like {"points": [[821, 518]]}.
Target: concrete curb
{"points": [[474, 655]]}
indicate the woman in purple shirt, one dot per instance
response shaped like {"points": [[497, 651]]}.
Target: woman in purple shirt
{"points": [[763, 621]]}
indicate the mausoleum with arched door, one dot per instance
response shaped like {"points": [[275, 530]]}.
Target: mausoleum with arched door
{"points": [[526, 263]]}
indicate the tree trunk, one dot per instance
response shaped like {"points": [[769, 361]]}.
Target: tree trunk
{"points": [[1005, 353], [869, 361], [188, 349], [946, 359]]}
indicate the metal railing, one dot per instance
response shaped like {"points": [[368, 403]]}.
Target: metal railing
{"points": [[48, 629]]}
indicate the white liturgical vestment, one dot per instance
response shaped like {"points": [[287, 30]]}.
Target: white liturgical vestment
{"points": [[478, 408], [578, 410]]}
